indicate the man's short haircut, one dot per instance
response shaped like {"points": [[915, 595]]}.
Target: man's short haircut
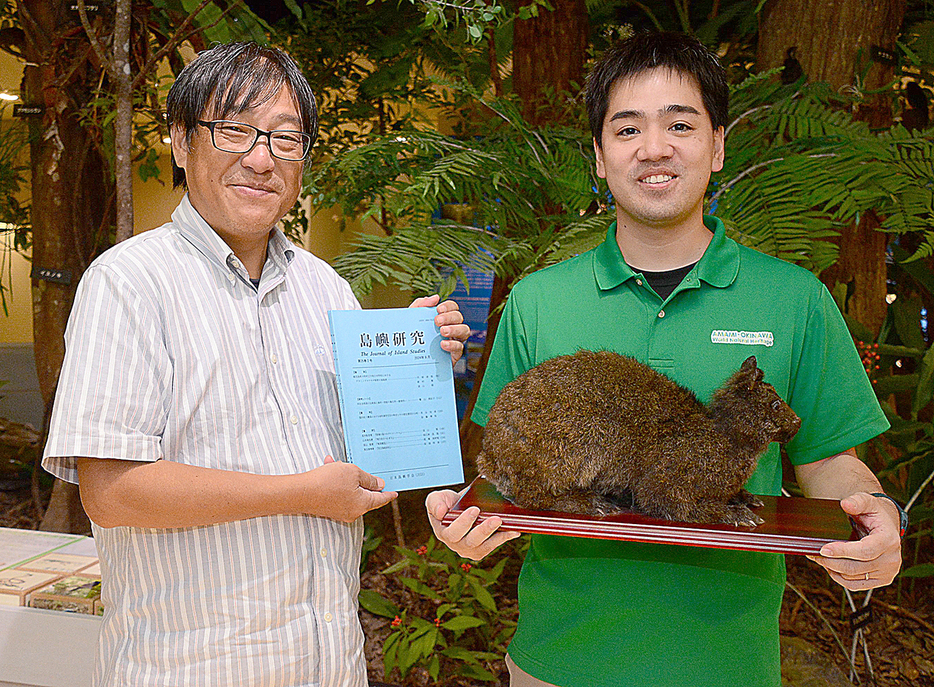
{"points": [[676, 51], [229, 79]]}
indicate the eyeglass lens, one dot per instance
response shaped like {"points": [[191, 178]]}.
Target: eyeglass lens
{"points": [[235, 137]]}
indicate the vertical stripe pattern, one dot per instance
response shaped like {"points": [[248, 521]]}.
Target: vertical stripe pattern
{"points": [[171, 353]]}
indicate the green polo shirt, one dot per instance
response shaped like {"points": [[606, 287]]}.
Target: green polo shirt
{"points": [[602, 613]]}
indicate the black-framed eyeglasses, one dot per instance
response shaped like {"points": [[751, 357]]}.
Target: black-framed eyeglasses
{"points": [[237, 137]]}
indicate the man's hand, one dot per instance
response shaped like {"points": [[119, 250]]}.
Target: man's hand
{"points": [[451, 322], [343, 492], [874, 560], [461, 536]]}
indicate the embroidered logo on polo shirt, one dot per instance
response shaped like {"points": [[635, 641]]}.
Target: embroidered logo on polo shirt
{"points": [[728, 336]]}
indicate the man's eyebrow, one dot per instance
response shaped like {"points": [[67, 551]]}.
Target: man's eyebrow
{"points": [[681, 109], [289, 119], [628, 114], [639, 114]]}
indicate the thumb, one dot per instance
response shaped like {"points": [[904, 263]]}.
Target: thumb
{"points": [[329, 459], [378, 499], [859, 503], [371, 482]]}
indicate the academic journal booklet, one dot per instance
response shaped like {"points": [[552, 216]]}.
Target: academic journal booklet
{"points": [[396, 387]]}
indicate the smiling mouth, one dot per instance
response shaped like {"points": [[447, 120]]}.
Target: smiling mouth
{"points": [[254, 189], [657, 179]]}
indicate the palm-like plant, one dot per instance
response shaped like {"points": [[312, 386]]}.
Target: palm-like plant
{"points": [[533, 195], [799, 170]]}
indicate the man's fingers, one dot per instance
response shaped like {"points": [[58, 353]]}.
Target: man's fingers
{"points": [[482, 534], [859, 503], [371, 482], [455, 532], [378, 499], [494, 543], [438, 503], [425, 301], [446, 308]]}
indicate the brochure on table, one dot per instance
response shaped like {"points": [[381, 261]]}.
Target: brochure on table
{"points": [[396, 387], [49, 570]]}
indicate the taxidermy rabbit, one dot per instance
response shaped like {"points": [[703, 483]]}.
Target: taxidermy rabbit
{"points": [[590, 432]]}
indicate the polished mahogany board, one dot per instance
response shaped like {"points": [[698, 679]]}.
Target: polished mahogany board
{"points": [[792, 524]]}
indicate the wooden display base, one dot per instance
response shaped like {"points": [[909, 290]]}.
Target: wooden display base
{"points": [[792, 524]]}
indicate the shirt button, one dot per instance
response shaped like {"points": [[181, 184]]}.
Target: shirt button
{"points": [[230, 277], [328, 617], [294, 420], [324, 553], [274, 358], [661, 313], [639, 282]]}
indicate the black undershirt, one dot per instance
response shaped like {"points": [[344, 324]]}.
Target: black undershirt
{"points": [[663, 283]]}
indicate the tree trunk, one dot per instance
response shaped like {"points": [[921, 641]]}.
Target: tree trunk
{"points": [[71, 212], [123, 123], [471, 434], [548, 58], [830, 38]]}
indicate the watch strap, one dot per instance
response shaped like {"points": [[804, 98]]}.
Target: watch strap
{"points": [[902, 515]]}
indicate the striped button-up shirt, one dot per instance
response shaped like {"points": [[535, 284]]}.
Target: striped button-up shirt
{"points": [[173, 354]]}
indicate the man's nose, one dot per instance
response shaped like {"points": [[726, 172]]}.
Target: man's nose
{"points": [[655, 144], [259, 158]]}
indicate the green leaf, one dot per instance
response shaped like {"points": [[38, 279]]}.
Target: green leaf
{"points": [[420, 588], [434, 667], [377, 604], [459, 653], [483, 596], [922, 570], [294, 8], [462, 622], [476, 672], [925, 388]]}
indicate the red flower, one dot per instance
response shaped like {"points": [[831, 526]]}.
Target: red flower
{"points": [[465, 567], [421, 550], [396, 622], [437, 622]]}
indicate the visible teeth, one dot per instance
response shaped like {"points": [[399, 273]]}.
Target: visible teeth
{"points": [[657, 179]]}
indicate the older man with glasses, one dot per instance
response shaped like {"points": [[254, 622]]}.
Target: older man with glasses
{"points": [[198, 410]]}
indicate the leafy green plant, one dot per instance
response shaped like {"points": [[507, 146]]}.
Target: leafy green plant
{"points": [[453, 623]]}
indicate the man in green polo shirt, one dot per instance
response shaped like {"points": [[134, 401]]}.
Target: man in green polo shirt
{"points": [[668, 288]]}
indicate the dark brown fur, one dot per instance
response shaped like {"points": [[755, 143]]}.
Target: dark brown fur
{"points": [[580, 433]]}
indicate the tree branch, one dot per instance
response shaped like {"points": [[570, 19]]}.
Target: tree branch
{"points": [[176, 38], [106, 62]]}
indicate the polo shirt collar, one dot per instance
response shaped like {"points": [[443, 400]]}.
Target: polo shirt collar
{"points": [[718, 266], [199, 233]]}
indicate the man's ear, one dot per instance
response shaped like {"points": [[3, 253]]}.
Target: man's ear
{"points": [[719, 146], [601, 169], [179, 146]]}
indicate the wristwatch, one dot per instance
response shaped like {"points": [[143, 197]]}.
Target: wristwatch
{"points": [[902, 515]]}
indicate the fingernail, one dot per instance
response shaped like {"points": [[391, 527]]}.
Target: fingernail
{"points": [[826, 552]]}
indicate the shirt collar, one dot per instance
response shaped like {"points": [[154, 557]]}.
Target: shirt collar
{"points": [[199, 233], [718, 266]]}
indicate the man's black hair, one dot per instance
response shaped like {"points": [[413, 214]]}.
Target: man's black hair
{"points": [[676, 51], [229, 79]]}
